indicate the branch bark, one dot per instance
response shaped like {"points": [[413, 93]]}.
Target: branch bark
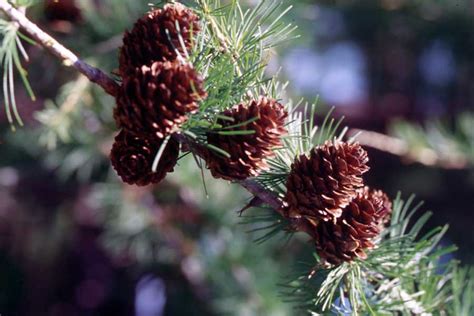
{"points": [[250, 185], [267, 197], [52, 45]]}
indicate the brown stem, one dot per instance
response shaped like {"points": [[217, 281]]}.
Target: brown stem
{"points": [[266, 196], [68, 58], [271, 199], [253, 187]]}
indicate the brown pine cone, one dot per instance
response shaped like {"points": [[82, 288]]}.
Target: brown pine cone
{"points": [[148, 41], [155, 100], [355, 231], [132, 157], [321, 185], [385, 205], [248, 153]]}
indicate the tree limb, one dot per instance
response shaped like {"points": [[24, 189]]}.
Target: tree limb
{"points": [[266, 196], [68, 58], [250, 185]]}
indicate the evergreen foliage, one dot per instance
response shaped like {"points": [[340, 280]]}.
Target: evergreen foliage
{"points": [[404, 274]]}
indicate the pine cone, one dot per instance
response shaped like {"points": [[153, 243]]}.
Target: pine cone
{"points": [[154, 100], [355, 231], [148, 41], [248, 153], [132, 157], [385, 205], [321, 185]]}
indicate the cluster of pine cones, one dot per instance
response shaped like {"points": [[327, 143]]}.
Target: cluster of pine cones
{"points": [[326, 193], [160, 89], [325, 189]]}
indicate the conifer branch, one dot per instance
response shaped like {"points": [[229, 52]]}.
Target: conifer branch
{"points": [[396, 274], [266, 196], [68, 57], [109, 85], [221, 38]]}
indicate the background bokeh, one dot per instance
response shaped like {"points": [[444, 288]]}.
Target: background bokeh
{"points": [[74, 240]]}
